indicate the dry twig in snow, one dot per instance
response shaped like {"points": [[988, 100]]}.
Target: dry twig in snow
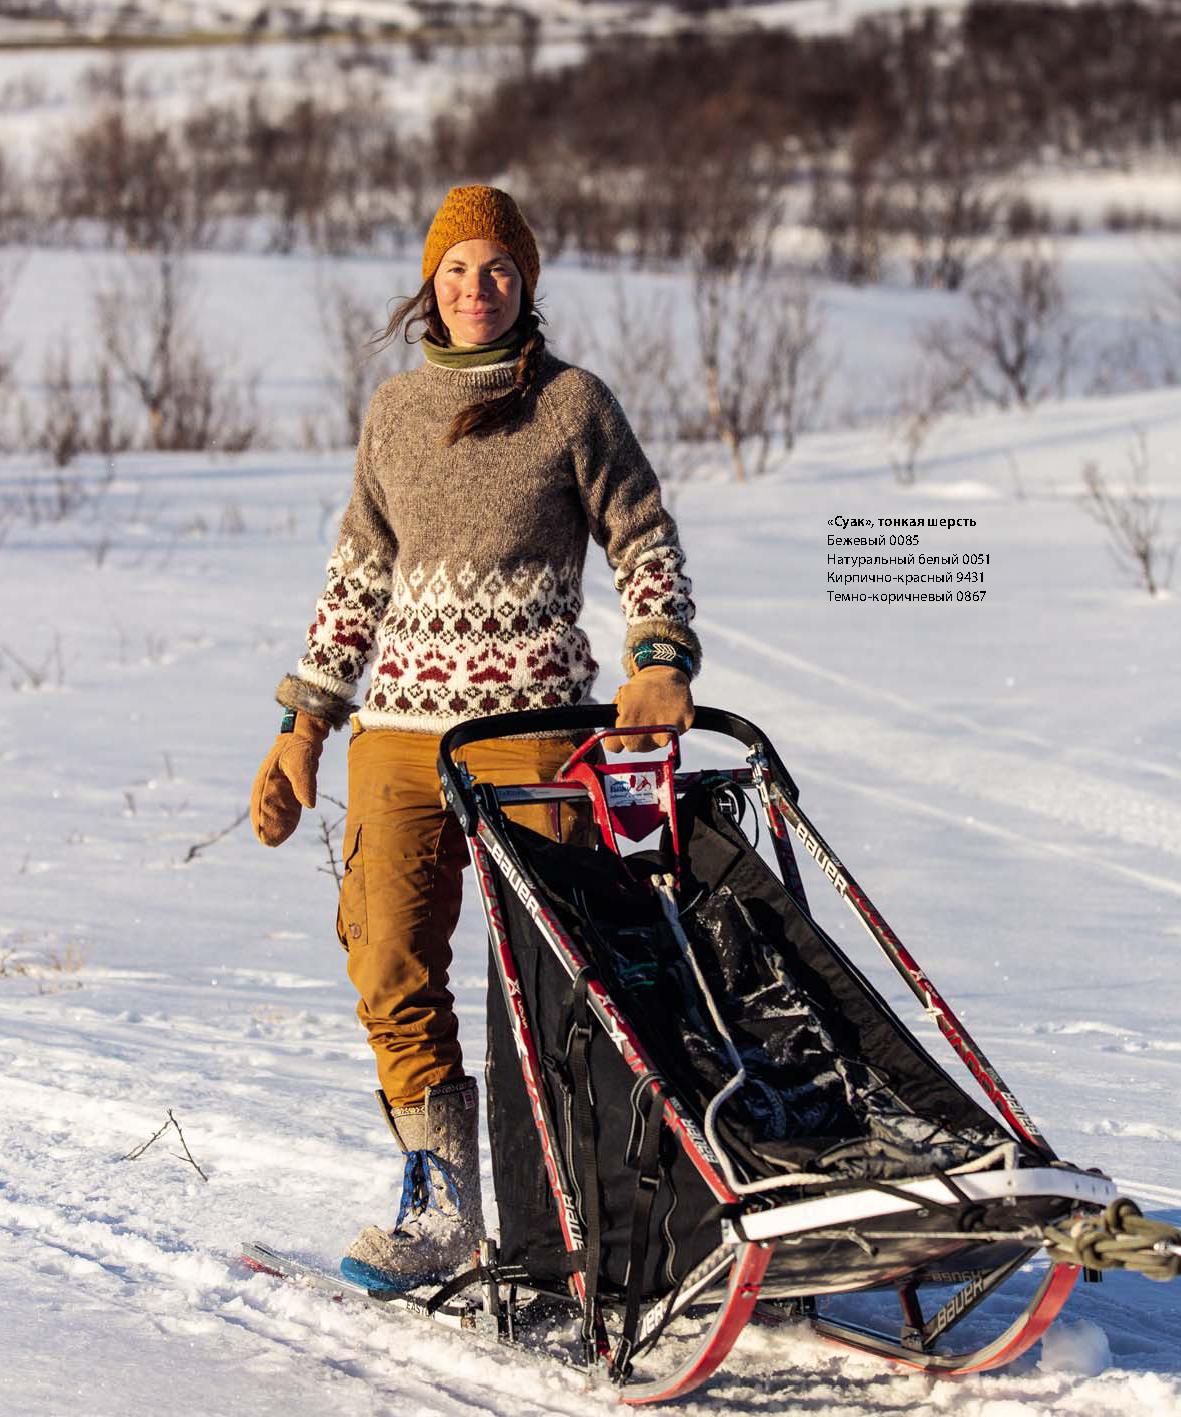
{"points": [[188, 1156], [200, 846]]}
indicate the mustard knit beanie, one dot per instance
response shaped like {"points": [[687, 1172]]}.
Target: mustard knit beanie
{"points": [[484, 213]]}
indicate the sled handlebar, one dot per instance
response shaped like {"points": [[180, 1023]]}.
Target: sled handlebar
{"points": [[579, 719]]}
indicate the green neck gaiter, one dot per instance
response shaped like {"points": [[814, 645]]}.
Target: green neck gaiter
{"points": [[507, 347]]}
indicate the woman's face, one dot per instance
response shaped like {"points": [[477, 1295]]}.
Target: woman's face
{"points": [[478, 290]]}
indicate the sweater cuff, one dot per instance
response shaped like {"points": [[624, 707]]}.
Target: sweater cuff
{"points": [[675, 630], [296, 692]]}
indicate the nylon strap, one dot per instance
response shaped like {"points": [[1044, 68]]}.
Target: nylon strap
{"points": [[647, 1184]]}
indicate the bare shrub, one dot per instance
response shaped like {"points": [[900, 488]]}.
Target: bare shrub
{"points": [[1133, 520], [924, 394], [53, 495], [10, 272], [290, 156], [1127, 360], [1016, 344], [639, 357], [358, 365], [145, 321], [951, 203], [762, 360], [850, 207], [74, 418], [136, 178], [15, 217], [61, 434], [232, 521]]}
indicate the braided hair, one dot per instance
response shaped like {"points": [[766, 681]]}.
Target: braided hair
{"points": [[488, 415]]}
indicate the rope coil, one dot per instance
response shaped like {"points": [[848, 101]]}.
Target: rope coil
{"points": [[1120, 1238]]}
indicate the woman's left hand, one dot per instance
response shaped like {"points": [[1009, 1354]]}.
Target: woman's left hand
{"points": [[655, 695]]}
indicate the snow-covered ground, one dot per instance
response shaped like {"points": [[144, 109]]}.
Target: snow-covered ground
{"points": [[1003, 778]]}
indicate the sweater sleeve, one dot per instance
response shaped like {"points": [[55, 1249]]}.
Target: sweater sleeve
{"points": [[359, 578], [621, 498]]}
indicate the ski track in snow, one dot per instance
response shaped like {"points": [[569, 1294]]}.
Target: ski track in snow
{"points": [[1032, 776]]}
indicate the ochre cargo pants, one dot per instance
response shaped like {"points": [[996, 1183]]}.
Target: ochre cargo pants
{"points": [[404, 855]]}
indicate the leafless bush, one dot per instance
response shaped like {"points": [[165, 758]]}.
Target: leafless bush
{"points": [[52, 495], [232, 521], [850, 206], [951, 203], [10, 272], [762, 360], [145, 320], [1133, 520], [61, 434], [73, 418], [136, 177], [15, 217], [1016, 344], [357, 365], [1127, 360], [925, 393], [638, 356], [138, 1151]]}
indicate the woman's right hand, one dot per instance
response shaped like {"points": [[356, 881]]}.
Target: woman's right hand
{"points": [[286, 781]]}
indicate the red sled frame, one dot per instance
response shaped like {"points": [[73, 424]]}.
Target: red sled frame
{"points": [[740, 1264]]}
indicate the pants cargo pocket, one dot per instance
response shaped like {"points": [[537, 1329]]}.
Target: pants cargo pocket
{"points": [[351, 917]]}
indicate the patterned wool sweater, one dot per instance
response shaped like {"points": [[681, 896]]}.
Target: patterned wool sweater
{"points": [[458, 570]]}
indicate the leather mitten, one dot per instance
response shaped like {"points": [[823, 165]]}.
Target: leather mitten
{"points": [[286, 781], [651, 696]]}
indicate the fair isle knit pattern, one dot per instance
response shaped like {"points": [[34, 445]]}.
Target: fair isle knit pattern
{"points": [[458, 570]]}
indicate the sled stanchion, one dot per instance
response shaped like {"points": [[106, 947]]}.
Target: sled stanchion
{"points": [[530, 1063], [780, 836]]}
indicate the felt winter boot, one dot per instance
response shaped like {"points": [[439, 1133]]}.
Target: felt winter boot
{"points": [[440, 1218]]}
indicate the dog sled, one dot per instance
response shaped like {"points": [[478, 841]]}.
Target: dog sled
{"points": [[702, 1113]]}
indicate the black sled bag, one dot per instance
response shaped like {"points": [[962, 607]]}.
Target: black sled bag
{"points": [[836, 1086]]}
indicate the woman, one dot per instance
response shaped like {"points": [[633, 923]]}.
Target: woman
{"points": [[479, 478]]}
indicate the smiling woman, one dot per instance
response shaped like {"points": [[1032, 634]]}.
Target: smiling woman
{"points": [[480, 478], [478, 291]]}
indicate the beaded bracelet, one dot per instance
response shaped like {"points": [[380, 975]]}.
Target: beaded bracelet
{"points": [[665, 653]]}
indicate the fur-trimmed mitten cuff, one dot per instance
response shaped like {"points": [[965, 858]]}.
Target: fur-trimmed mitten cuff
{"points": [[296, 693], [675, 631]]}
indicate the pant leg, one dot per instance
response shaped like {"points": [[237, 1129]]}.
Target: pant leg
{"points": [[399, 904], [400, 898]]}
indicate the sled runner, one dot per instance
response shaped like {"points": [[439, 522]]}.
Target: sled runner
{"points": [[702, 1112]]}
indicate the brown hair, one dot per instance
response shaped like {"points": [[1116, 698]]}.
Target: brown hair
{"points": [[488, 415]]}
